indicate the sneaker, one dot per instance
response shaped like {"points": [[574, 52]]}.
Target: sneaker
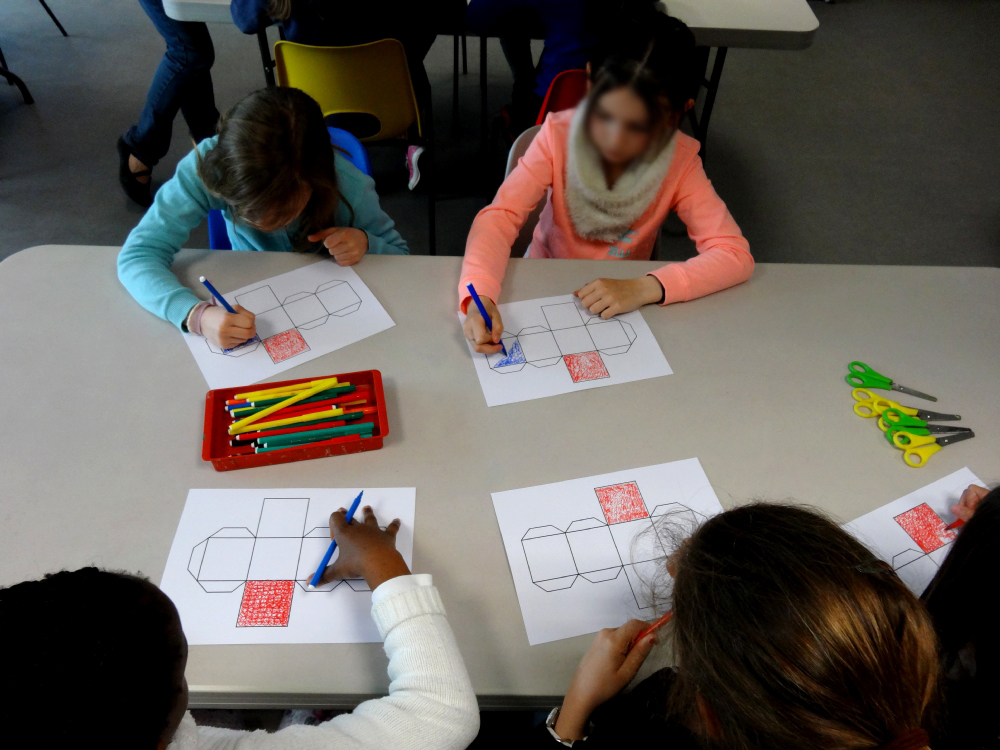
{"points": [[412, 154]]}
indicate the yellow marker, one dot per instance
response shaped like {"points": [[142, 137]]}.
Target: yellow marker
{"points": [[284, 389], [234, 430], [321, 385]]}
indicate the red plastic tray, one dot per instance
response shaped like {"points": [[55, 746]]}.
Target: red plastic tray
{"points": [[215, 445]]}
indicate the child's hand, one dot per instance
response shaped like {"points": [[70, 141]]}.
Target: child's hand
{"points": [[609, 297], [365, 550], [227, 330], [475, 328], [968, 502], [604, 671], [345, 244]]}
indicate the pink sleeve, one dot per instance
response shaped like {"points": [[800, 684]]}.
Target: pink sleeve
{"points": [[723, 258], [496, 227]]}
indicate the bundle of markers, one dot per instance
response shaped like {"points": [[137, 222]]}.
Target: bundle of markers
{"points": [[317, 413]]}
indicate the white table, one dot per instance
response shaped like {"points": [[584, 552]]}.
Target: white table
{"points": [[758, 396], [756, 24]]}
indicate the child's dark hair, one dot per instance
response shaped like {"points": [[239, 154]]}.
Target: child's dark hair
{"points": [[89, 656], [273, 145], [649, 52], [962, 601], [789, 633]]}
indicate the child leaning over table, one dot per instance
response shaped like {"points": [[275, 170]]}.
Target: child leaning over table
{"points": [[788, 634], [108, 649], [613, 168], [281, 187]]}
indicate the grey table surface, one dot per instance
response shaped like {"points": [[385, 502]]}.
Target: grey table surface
{"points": [[763, 24], [102, 421]]}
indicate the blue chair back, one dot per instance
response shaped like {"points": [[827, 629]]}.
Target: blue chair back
{"points": [[351, 149]]}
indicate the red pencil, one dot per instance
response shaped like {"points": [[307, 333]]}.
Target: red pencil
{"points": [[954, 525], [293, 411], [317, 425], [663, 620]]}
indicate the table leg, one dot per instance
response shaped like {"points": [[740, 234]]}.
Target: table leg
{"points": [[710, 91], [265, 56], [484, 125], [454, 90]]}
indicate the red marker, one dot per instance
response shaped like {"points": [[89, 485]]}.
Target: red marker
{"points": [[663, 620], [957, 524]]}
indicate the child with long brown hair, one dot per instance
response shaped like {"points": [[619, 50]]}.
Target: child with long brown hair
{"points": [[612, 170], [788, 633], [281, 187]]}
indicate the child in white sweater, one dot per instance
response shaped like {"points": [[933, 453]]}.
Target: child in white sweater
{"points": [[96, 658]]}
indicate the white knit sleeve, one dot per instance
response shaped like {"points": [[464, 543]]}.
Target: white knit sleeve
{"points": [[430, 706]]}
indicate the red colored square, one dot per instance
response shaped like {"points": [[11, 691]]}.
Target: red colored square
{"points": [[586, 366], [286, 344], [925, 527], [265, 604], [621, 502]]}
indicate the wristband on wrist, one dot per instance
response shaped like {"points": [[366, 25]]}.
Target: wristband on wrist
{"points": [[194, 318], [550, 724]]}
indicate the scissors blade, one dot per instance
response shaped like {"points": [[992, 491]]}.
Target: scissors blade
{"points": [[911, 392], [937, 429], [955, 438], [933, 416]]}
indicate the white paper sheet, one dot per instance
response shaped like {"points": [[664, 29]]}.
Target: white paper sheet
{"points": [[242, 559], [555, 345], [909, 533], [583, 552], [300, 315]]}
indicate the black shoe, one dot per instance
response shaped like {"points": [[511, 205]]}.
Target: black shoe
{"points": [[137, 191]]}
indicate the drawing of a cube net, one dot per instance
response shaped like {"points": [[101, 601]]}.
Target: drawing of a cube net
{"points": [[580, 345], [928, 531], [599, 551], [269, 563], [279, 324]]}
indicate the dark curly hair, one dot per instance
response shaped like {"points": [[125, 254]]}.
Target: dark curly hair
{"points": [[90, 656]]}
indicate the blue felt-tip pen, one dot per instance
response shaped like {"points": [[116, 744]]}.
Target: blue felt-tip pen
{"points": [[215, 293], [333, 544], [486, 315]]}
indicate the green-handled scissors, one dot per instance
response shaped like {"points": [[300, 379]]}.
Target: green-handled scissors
{"points": [[893, 421], [862, 376]]}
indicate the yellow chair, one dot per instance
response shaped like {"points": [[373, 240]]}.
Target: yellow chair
{"points": [[372, 79]]}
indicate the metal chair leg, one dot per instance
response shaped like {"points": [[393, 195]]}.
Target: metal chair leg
{"points": [[454, 90], [53, 17], [13, 79], [265, 56]]}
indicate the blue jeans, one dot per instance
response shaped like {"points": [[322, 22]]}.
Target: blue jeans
{"points": [[183, 81]]}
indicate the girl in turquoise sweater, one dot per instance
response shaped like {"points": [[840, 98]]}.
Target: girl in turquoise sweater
{"points": [[281, 187]]}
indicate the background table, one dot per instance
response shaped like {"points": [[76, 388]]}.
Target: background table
{"points": [[102, 420], [754, 24]]}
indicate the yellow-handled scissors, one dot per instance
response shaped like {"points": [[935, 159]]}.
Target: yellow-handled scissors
{"points": [[872, 405], [918, 448]]}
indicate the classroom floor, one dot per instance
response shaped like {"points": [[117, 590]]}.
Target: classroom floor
{"points": [[875, 145]]}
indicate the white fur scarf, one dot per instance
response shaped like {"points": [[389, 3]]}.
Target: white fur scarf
{"points": [[600, 213]]}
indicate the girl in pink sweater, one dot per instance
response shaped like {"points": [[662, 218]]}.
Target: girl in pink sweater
{"points": [[613, 168]]}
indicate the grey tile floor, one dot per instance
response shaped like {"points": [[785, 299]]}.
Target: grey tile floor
{"points": [[876, 145]]}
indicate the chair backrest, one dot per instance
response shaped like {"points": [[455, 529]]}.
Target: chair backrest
{"points": [[521, 144], [565, 92], [352, 150], [371, 79]]}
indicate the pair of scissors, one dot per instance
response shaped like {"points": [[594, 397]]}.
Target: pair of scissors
{"points": [[918, 448], [893, 421], [862, 376], [871, 405]]}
